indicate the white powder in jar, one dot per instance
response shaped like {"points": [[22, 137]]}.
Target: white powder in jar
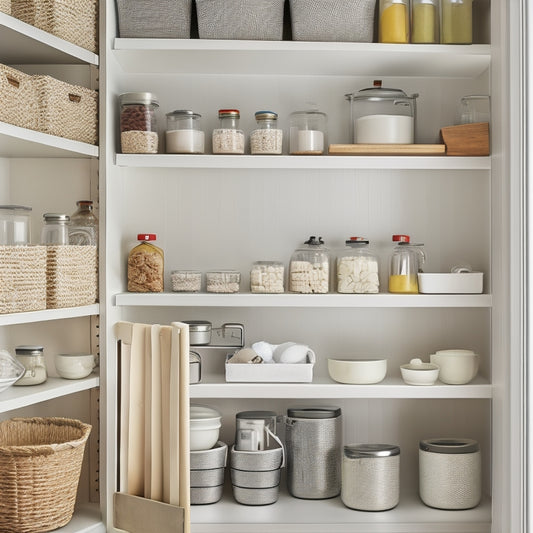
{"points": [[306, 277], [139, 142], [228, 141], [184, 142], [266, 141]]}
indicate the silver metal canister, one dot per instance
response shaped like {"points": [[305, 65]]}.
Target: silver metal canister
{"points": [[371, 476], [313, 441], [450, 473]]}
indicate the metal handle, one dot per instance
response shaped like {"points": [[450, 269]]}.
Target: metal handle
{"points": [[232, 325]]}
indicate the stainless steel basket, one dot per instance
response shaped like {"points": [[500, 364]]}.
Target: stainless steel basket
{"points": [[207, 478], [206, 495], [255, 480], [249, 496], [207, 459]]}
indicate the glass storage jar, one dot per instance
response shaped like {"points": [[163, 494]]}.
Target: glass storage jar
{"points": [[475, 108], [15, 226], [83, 226], [425, 21], [267, 138], [146, 265], [55, 229], [184, 134], [394, 24], [405, 263], [357, 268], [379, 115], [307, 134], [224, 281], [456, 22], [186, 280], [32, 357], [267, 277], [228, 138], [309, 268], [138, 125]]}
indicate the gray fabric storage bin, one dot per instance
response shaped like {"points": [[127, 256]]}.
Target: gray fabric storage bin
{"points": [[240, 19], [332, 20], [154, 19]]}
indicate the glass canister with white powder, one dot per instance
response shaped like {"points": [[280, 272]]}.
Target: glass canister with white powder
{"points": [[307, 133], [32, 357], [184, 134], [357, 268], [267, 138], [228, 138], [309, 268]]}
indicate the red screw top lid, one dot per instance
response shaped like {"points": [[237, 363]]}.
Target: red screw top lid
{"points": [[357, 239], [400, 238], [146, 237]]}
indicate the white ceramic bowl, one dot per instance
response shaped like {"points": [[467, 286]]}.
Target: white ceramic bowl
{"points": [[204, 427], [357, 371], [74, 366], [417, 372], [457, 367]]}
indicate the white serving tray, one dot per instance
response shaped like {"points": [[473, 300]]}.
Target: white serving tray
{"points": [[271, 372], [450, 283]]}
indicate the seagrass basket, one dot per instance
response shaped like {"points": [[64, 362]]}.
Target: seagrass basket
{"points": [[71, 276], [72, 20], [5, 6], [40, 464], [18, 101]]}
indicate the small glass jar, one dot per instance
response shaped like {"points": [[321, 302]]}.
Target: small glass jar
{"points": [[223, 281], [138, 125], [32, 357], [186, 280], [228, 138], [55, 229], [475, 108], [394, 23], [15, 225], [309, 268], [146, 265], [425, 21], [83, 227], [267, 138], [307, 133], [267, 277], [357, 268], [456, 22], [184, 135]]}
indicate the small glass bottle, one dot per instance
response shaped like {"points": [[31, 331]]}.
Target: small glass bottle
{"points": [[425, 24], [394, 24], [32, 357], [309, 268], [138, 125], [83, 227], [228, 138], [184, 135], [267, 138], [357, 268], [456, 22], [55, 229], [307, 132], [146, 265]]}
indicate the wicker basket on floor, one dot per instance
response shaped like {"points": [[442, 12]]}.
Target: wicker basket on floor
{"points": [[40, 464], [19, 101], [71, 20], [71, 276]]}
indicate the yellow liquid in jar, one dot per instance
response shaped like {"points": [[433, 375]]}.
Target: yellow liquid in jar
{"points": [[423, 30], [394, 24], [405, 284], [457, 23]]}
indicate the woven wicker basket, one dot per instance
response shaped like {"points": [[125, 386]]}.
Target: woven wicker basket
{"points": [[22, 278], [18, 98], [5, 6], [72, 20], [71, 278], [40, 464], [66, 110]]}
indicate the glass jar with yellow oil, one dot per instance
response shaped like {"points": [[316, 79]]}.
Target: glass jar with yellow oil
{"points": [[394, 21], [425, 24], [405, 263]]}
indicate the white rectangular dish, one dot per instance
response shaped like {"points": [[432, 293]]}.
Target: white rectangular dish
{"points": [[450, 283], [267, 372]]}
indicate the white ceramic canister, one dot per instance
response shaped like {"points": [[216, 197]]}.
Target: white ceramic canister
{"points": [[450, 473], [371, 477]]}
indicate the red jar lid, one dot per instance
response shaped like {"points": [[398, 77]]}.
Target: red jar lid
{"points": [[400, 238], [146, 237]]}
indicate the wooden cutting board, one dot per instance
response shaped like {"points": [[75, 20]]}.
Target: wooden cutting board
{"points": [[387, 149]]}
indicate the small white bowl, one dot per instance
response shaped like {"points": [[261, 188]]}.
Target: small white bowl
{"points": [[74, 366], [204, 427], [357, 371], [457, 367], [417, 372]]}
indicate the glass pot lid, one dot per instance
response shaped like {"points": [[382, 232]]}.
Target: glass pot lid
{"points": [[378, 93]]}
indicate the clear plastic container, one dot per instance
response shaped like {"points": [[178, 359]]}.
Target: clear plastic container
{"points": [[138, 124], [456, 22], [83, 226], [15, 226], [228, 138], [309, 268], [307, 133], [54, 231], [32, 357], [146, 265], [184, 134], [425, 21], [406, 261], [475, 108], [267, 139], [267, 277], [394, 23], [186, 280], [357, 268], [223, 281]]}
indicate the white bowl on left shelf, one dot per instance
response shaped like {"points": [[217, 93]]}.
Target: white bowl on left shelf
{"points": [[74, 365]]}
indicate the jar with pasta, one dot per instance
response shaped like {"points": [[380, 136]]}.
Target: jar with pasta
{"points": [[146, 265], [138, 125], [357, 268], [309, 268]]}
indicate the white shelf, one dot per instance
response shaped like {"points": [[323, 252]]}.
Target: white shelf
{"points": [[320, 516], [216, 387], [330, 162], [49, 314], [86, 519], [168, 299], [269, 58], [21, 142], [30, 45], [21, 396]]}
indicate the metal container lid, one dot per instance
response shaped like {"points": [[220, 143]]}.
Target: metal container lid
{"points": [[358, 451], [15, 208], [454, 446], [29, 350], [223, 113], [255, 415], [314, 412], [266, 115], [356, 241], [183, 113], [379, 93], [56, 217], [198, 325], [138, 98]]}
